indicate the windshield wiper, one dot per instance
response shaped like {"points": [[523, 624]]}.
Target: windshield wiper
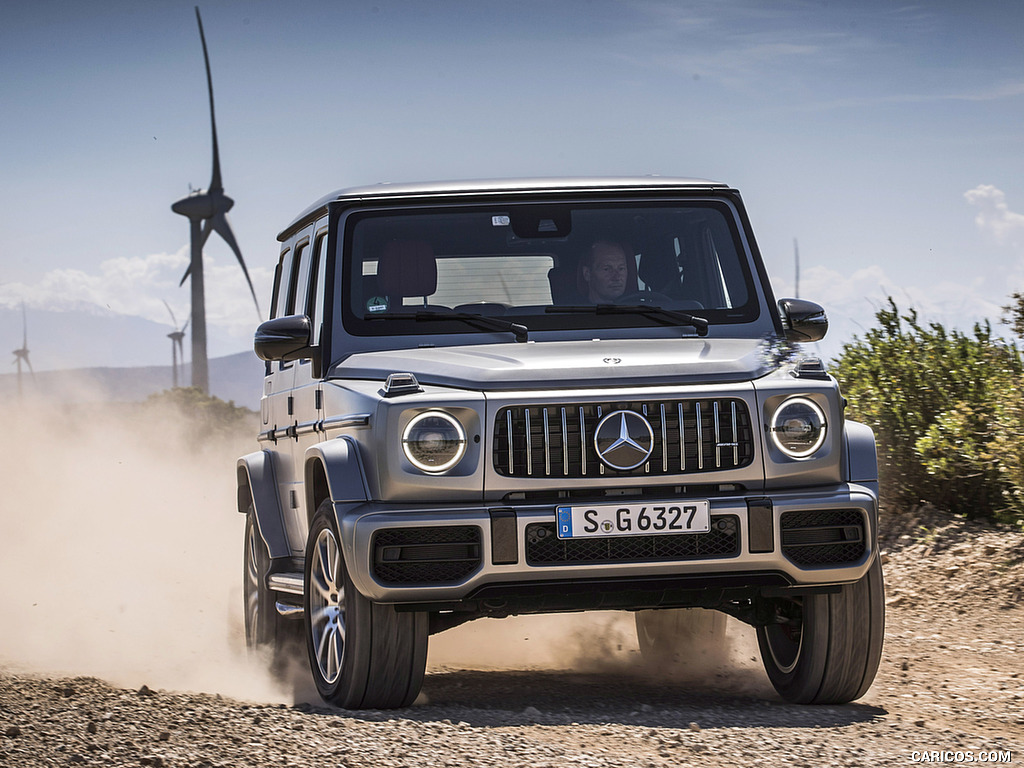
{"points": [[656, 313], [482, 322]]}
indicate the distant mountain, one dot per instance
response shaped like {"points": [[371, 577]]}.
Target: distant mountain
{"points": [[93, 337], [237, 377]]}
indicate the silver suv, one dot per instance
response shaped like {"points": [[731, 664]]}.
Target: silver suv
{"points": [[493, 398]]}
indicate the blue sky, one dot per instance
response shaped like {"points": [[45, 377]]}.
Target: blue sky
{"points": [[887, 138]]}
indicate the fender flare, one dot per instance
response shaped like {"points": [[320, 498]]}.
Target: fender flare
{"points": [[861, 461], [334, 470], [257, 485]]}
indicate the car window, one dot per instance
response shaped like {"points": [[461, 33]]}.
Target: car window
{"points": [[316, 305], [300, 280], [498, 279], [535, 263], [282, 279]]}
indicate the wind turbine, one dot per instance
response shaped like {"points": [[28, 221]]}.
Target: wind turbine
{"points": [[796, 270], [177, 337], [22, 354], [206, 211]]}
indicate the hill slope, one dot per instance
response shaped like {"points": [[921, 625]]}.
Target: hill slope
{"points": [[238, 378]]}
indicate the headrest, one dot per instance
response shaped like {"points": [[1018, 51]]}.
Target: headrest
{"points": [[659, 272], [407, 268]]}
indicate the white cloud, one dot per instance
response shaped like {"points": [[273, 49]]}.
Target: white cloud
{"points": [[851, 301], [232, 306], [138, 286], [984, 92], [994, 215], [781, 48]]}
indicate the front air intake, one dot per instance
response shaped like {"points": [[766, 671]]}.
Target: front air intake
{"points": [[426, 555], [823, 537]]}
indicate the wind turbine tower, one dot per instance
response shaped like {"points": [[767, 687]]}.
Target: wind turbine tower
{"points": [[177, 337], [206, 211], [796, 269], [21, 355]]}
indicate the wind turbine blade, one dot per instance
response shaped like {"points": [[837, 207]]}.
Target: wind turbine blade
{"points": [[24, 327], [173, 318], [220, 224], [29, 364], [216, 185], [205, 234], [185, 326]]}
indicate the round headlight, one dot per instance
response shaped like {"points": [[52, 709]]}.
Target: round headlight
{"points": [[434, 441], [798, 427]]}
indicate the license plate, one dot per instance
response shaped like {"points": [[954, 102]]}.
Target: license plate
{"points": [[674, 517]]}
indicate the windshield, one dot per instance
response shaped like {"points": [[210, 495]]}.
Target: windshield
{"points": [[545, 267]]}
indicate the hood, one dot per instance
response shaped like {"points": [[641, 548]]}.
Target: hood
{"points": [[623, 362]]}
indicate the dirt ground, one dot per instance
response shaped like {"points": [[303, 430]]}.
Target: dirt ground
{"points": [[949, 689]]}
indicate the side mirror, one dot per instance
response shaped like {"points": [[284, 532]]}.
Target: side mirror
{"points": [[283, 338], [803, 320]]}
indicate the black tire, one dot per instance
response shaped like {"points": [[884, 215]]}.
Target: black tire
{"points": [[681, 636], [829, 654], [363, 655], [264, 626]]}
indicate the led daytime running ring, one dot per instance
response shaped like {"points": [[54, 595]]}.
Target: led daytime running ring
{"points": [[776, 429], [408, 442]]}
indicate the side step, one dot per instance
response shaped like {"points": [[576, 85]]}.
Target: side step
{"points": [[287, 584]]}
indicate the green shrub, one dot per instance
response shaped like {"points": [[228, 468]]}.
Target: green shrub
{"points": [[947, 412], [201, 416]]}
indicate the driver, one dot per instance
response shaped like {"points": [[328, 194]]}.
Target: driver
{"points": [[605, 272]]}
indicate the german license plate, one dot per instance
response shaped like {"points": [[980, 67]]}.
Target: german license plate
{"points": [[582, 521]]}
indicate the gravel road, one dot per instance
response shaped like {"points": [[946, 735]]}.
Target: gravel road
{"points": [[950, 686]]}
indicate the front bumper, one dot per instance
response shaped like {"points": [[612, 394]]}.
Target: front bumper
{"points": [[434, 554]]}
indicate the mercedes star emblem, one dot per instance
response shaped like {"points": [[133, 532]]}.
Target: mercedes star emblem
{"points": [[624, 440]]}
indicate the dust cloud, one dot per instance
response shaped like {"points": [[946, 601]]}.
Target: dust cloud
{"points": [[603, 643], [121, 548]]}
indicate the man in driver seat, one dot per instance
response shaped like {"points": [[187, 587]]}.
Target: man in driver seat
{"points": [[605, 272]]}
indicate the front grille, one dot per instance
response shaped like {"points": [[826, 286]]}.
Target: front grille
{"points": [[557, 441], [426, 555], [543, 547], [823, 537]]}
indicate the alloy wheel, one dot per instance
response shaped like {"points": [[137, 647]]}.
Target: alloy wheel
{"points": [[327, 607]]}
